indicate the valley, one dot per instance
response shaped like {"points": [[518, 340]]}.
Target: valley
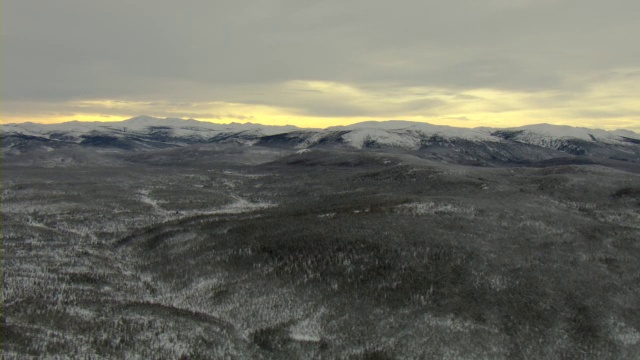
{"points": [[254, 246]]}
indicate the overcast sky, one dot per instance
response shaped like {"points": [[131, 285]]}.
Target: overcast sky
{"points": [[320, 63]]}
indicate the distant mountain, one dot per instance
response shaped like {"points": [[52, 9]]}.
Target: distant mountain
{"points": [[139, 133], [479, 146]]}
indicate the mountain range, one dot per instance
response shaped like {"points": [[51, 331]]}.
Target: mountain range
{"points": [[471, 146]]}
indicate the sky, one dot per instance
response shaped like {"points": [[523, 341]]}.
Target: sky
{"points": [[468, 63]]}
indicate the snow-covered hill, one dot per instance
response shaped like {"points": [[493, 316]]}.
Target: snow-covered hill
{"points": [[548, 135], [178, 130], [405, 133], [146, 132]]}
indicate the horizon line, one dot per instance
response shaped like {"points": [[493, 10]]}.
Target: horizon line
{"points": [[305, 127]]}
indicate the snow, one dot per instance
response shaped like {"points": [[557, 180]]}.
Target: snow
{"points": [[308, 330], [145, 198], [304, 337], [241, 206], [546, 134], [146, 125], [406, 134], [358, 138], [414, 130], [431, 208], [395, 133]]}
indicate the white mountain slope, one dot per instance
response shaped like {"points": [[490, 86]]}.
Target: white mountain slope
{"points": [[144, 125], [398, 134], [545, 134], [406, 134]]}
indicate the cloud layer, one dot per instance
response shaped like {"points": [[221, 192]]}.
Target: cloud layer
{"points": [[312, 63]]}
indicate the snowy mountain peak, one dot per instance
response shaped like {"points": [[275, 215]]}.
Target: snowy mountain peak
{"points": [[543, 133], [148, 132], [143, 119]]}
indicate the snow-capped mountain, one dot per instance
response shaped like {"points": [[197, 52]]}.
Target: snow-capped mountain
{"points": [[535, 142], [397, 133], [173, 131]]}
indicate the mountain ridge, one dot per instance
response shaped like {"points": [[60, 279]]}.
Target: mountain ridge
{"points": [[476, 146], [147, 121], [384, 124]]}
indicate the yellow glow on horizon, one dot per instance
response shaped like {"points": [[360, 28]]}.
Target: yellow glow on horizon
{"points": [[603, 101], [56, 119], [467, 120]]}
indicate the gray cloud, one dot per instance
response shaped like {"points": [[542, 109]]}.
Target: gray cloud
{"points": [[202, 50]]}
